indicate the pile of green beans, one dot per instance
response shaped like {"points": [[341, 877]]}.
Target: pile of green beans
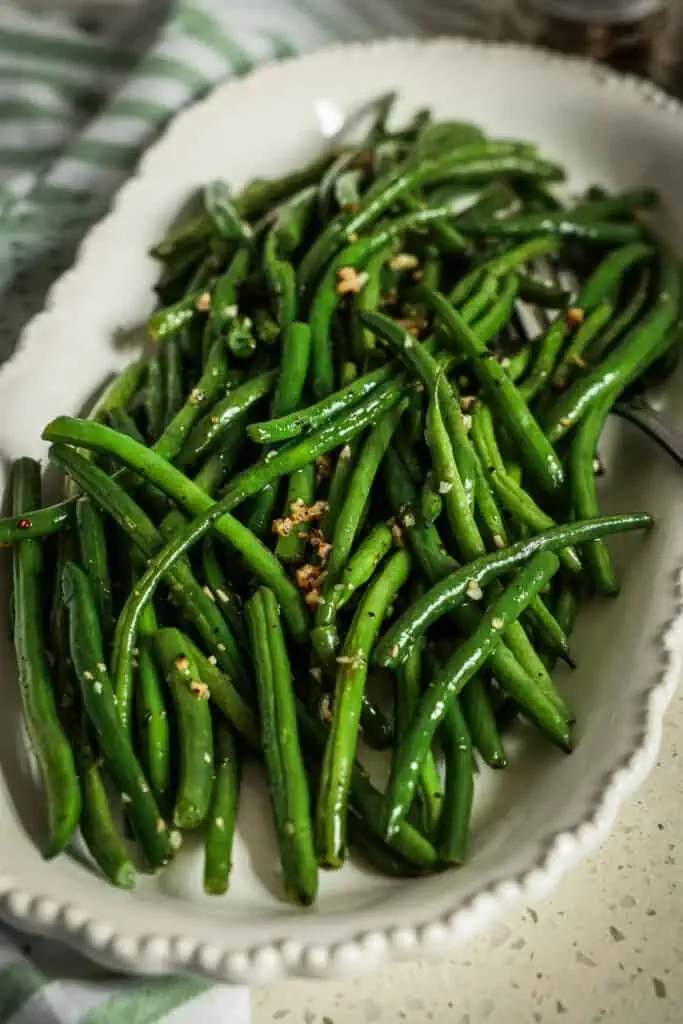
{"points": [[347, 503]]}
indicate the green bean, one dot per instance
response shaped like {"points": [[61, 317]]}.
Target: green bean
{"points": [[519, 503], [408, 693], [512, 259], [436, 564], [195, 501], [190, 696], [357, 571], [224, 216], [450, 592], [222, 820], [120, 391], [477, 303], [607, 207], [625, 358], [601, 345], [212, 426], [92, 543], [330, 435], [459, 791], [289, 427], [209, 386], [549, 630], [566, 607], [549, 348], [41, 522], [333, 793], [100, 706], [223, 304], [488, 513], [281, 278], [458, 510], [457, 672], [407, 842], [341, 273], [467, 163], [365, 471], [481, 721], [152, 715], [376, 728], [518, 363], [279, 735], [431, 502], [155, 399], [450, 433], [168, 321], [224, 696], [49, 743], [376, 853], [258, 556], [173, 384], [263, 193], [542, 293], [339, 483], [423, 538], [199, 608], [123, 422], [584, 495], [607, 276], [291, 547], [598, 318], [564, 225], [498, 315], [363, 341], [534, 449], [294, 360], [97, 826], [228, 601]]}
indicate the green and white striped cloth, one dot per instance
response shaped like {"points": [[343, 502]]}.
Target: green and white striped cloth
{"points": [[75, 114]]}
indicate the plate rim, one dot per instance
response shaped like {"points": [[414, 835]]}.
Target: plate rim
{"points": [[265, 962]]}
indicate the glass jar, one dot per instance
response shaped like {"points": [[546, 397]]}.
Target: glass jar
{"points": [[631, 35]]}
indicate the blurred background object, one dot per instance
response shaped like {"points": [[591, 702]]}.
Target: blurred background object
{"points": [[638, 36]]}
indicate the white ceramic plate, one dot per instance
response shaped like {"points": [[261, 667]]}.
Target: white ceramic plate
{"points": [[532, 821]]}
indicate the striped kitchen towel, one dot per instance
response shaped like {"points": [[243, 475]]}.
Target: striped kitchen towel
{"points": [[75, 113]]}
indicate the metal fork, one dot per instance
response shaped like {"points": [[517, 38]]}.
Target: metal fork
{"points": [[642, 415]]}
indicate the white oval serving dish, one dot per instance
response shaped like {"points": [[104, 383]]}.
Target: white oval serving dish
{"points": [[531, 822]]}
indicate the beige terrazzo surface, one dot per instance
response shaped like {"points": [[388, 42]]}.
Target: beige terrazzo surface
{"points": [[607, 945]]}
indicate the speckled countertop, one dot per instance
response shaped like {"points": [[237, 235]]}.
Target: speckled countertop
{"points": [[607, 945]]}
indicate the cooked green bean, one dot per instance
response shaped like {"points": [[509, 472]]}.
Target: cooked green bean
{"points": [[457, 672], [51, 747], [294, 359], [100, 706], [357, 571], [190, 696], [408, 693], [454, 826], [220, 831], [445, 596], [92, 544], [534, 449], [287, 780], [340, 751], [625, 358], [97, 826]]}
